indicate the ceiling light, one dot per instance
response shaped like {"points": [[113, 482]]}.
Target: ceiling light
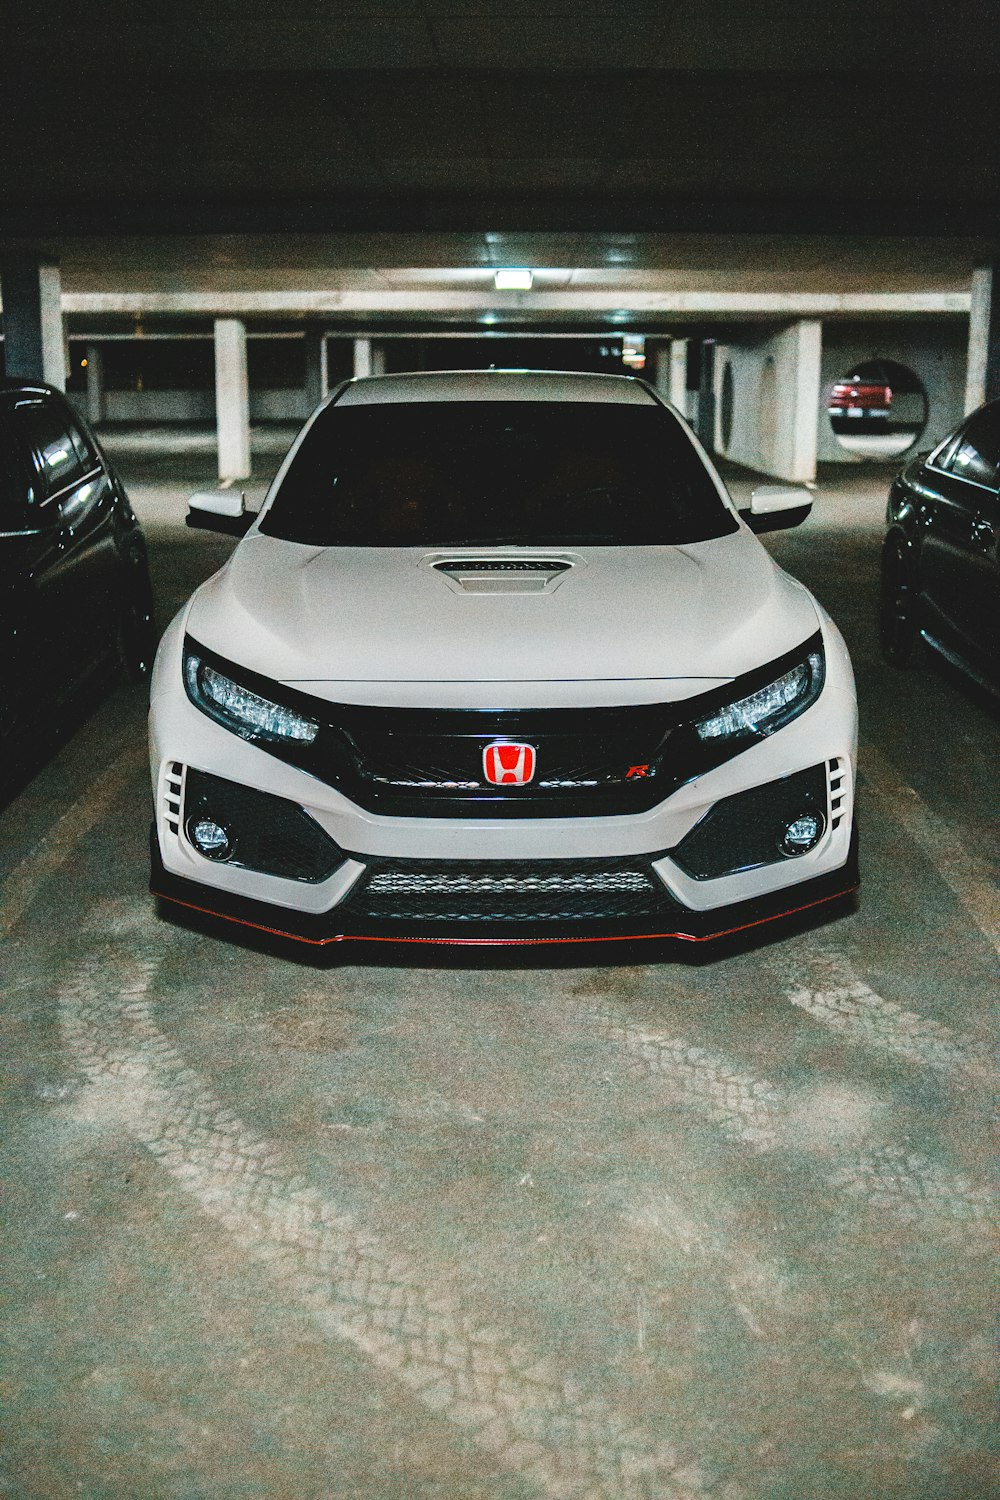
{"points": [[512, 281]]}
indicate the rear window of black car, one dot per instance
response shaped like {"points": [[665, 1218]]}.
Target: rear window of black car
{"points": [[483, 473]]}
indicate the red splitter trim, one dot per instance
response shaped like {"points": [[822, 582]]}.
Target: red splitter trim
{"points": [[509, 942]]}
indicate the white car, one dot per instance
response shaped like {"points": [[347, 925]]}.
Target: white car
{"points": [[500, 662]]}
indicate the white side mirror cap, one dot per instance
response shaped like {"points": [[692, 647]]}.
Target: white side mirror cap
{"points": [[769, 498], [228, 503]]}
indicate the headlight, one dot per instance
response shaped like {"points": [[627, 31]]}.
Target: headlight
{"points": [[771, 707], [237, 708]]}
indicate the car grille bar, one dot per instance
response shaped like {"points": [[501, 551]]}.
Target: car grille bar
{"points": [[489, 891]]}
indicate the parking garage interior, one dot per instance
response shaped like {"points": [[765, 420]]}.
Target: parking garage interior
{"points": [[440, 1227]]}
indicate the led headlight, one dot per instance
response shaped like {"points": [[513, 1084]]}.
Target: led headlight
{"points": [[237, 708], [771, 707]]}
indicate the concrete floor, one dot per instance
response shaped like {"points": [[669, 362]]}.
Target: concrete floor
{"points": [[481, 1233]]}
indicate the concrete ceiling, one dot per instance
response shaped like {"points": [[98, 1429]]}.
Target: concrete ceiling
{"points": [[469, 117]]}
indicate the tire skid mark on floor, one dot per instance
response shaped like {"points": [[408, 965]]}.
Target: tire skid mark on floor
{"points": [[970, 877], [756, 1111], [744, 1108], [57, 844], [910, 1185], [519, 1408], [825, 986]]}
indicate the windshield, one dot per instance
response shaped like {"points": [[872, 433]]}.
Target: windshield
{"points": [[488, 473]]}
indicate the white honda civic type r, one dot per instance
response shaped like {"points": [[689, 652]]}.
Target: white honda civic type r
{"points": [[499, 661]]}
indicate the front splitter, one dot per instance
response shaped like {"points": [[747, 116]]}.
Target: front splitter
{"points": [[673, 923]]}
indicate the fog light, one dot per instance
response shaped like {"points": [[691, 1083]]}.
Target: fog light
{"points": [[209, 838], [802, 834]]}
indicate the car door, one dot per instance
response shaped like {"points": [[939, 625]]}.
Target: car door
{"points": [[959, 567], [78, 582], [30, 558]]}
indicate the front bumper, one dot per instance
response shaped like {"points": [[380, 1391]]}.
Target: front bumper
{"points": [[668, 921], [683, 902]]}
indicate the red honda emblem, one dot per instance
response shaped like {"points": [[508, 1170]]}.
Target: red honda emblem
{"points": [[509, 765]]}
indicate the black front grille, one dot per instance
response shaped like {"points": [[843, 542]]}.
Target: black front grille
{"points": [[430, 762], [494, 891]]}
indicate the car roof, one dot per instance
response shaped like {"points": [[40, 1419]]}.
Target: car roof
{"points": [[13, 388], [494, 385]]}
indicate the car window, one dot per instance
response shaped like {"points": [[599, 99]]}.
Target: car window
{"points": [[85, 450], [485, 473], [47, 432], [977, 455], [942, 457]]}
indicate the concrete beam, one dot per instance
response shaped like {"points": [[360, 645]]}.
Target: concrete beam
{"points": [[34, 341], [523, 306], [232, 399]]}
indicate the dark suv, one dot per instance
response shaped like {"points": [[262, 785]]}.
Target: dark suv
{"points": [[941, 559], [75, 599]]}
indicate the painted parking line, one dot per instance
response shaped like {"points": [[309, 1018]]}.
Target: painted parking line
{"points": [[527, 1414], [55, 847], [969, 875], [823, 983]]}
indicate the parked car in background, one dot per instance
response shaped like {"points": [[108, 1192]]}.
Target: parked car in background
{"points": [[75, 598], [940, 580], [500, 661]]}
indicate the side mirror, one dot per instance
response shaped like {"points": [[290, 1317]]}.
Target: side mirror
{"points": [[220, 510], [774, 506]]}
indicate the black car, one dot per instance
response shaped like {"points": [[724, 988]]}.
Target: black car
{"points": [[75, 598], [941, 558]]}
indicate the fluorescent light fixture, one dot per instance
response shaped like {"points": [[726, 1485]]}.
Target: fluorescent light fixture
{"points": [[512, 281]]}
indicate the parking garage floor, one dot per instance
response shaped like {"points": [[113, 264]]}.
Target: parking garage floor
{"points": [[657, 1229]]}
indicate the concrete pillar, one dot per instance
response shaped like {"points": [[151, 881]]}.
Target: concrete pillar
{"points": [[705, 421], [770, 400], [982, 378], [362, 358], [678, 389], [232, 398], [369, 358], [658, 367], [806, 339], [34, 342], [95, 383], [317, 377]]}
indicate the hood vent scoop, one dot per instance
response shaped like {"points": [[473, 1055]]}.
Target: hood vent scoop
{"points": [[503, 575]]}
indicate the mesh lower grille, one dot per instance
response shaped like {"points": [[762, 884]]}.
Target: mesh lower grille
{"points": [[485, 891], [744, 831], [267, 833]]}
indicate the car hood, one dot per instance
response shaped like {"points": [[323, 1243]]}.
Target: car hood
{"points": [[319, 616]]}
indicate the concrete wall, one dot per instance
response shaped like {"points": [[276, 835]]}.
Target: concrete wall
{"points": [[770, 381], [199, 406], [936, 352]]}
